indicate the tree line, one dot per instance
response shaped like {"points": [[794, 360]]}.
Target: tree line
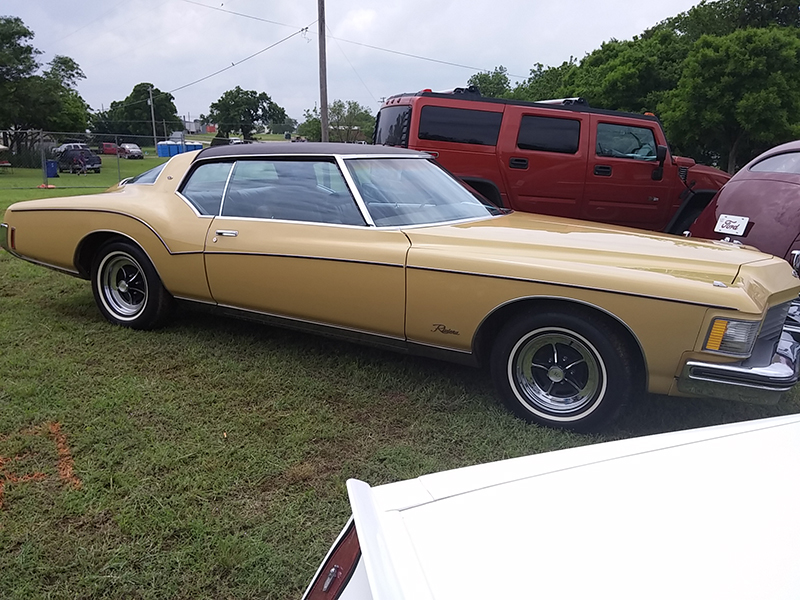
{"points": [[724, 78]]}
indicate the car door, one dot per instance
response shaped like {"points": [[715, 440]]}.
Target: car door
{"points": [[290, 241], [619, 178], [543, 158]]}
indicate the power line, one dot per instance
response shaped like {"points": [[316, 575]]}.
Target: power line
{"points": [[231, 66], [417, 56]]}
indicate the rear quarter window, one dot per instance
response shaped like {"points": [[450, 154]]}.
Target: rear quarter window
{"points": [[459, 125], [392, 126]]}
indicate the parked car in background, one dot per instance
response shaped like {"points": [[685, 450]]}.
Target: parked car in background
{"points": [[677, 515], [70, 146], [383, 246], [130, 151], [107, 148], [79, 160], [760, 205], [558, 157]]}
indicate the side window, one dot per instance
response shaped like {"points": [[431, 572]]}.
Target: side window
{"points": [[625, 141], [290, 190], [391, 128], [549, 134], [781, 163], [459, 125], [206, 186]]}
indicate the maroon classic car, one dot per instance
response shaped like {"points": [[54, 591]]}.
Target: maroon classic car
{"points": [[760, 205]]}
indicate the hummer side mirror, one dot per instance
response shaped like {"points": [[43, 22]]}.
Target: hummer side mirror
{"points": [[661, 156]]}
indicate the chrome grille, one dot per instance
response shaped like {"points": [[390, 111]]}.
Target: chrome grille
{"points": [[773, 322]]}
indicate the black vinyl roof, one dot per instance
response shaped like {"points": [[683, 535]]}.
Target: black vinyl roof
{"points": [[301, 149]]}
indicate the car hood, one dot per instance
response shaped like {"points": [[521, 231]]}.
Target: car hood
{"points": [[688, 514], [577, 253]]}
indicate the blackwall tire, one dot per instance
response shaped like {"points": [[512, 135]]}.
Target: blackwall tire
{"points": [[127, 288], [568, 370]]}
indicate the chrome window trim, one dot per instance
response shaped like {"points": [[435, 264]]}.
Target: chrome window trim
{"points": [[185, 179], [289, 221], [351, 183], [225, 189]]}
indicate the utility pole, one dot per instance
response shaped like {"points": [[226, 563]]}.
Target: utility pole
{"points": [[323, 77], [153, 118]]}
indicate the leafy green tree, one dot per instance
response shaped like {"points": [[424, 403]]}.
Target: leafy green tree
{"points": [[630, 75], [494, 85], [132, 116], [726, 16], [737, 89], [243, 111], [31, 100], [311, 127], [544, 83], [350, 122]]}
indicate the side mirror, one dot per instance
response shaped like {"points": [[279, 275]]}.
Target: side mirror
{"points": [[661, 156]]}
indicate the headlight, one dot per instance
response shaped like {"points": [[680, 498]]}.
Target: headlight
{"points": [[732, 337]]}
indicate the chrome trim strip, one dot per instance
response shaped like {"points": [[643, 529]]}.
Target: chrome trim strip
{"points": [[572, 286], [64, 270], [309, 257], [757, 384], [389, 342]]}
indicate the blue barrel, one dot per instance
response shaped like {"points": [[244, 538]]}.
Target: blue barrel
{"points": [[52, 168]]}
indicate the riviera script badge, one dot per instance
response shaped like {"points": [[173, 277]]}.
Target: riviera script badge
{"points": [[442, 328]]}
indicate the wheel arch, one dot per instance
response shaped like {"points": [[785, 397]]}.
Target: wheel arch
{"points": [[491, 325], [89, 246]]}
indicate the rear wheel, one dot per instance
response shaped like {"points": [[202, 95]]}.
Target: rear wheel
{"points": [[563, 369], [127, 288]]}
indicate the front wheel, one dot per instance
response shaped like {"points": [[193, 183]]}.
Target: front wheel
{"points": [[565, 369], [127, 288]]}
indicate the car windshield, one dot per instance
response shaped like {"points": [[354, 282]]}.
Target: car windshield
{"points": [[414, 191]]}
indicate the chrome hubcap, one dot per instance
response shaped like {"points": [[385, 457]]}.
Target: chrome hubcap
{"points": [[556, 372], [123, 286]]}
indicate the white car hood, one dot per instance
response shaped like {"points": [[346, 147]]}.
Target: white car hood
{"points": [[706, 513]]}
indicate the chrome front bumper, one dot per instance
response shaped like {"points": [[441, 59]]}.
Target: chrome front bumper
{"points": [[758, 384]]}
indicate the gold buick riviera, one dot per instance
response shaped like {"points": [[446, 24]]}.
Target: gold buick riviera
{"points": [[382, 246]]}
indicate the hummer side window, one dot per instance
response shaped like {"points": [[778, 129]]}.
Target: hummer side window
{"points": [[625, 141], [549, 134], [459, 125]]}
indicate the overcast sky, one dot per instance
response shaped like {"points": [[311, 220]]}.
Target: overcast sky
{"points": [[172, 43]]}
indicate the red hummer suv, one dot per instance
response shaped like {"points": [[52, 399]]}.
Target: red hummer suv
{"points": [[558, 157]]}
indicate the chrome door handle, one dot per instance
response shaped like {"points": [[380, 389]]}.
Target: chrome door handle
{"points": [[227, 232]]}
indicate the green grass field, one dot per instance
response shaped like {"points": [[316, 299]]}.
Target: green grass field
{"points": [[209, 459]]}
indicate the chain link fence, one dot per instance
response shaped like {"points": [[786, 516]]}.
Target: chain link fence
{"points": [[45, 150]]}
